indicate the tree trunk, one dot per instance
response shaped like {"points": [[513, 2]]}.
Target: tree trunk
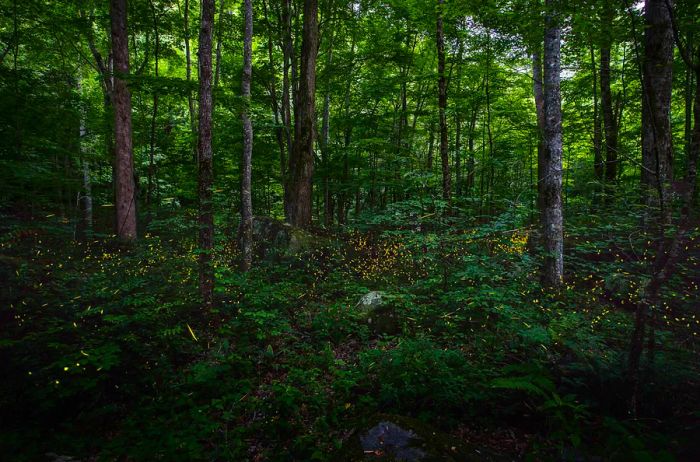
{"points": [[537, 87], [279, 127], [458, 154], [188, 71], [470, 142], [205, 154], [301, 161], [657, 73], [598, 166], [442, 106], [609, 123], [325, 132], [125, 187], [219, 34], [154, 116], [287, 53], [85, 203], [246, 231], [667, 256], [552, 216]]}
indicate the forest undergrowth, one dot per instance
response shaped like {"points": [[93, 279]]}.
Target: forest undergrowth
{"points": [[107, 355]]}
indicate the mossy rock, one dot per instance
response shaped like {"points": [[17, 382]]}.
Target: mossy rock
{"points": [[375, 308], [276, 238], [386, 437]]}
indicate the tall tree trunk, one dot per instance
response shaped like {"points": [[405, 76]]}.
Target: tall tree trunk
{"points": [[301, 161], [458, 154], [657, 77], [205, 154], [188, 71], [85, 203], [279, 127], [246, 231], [487, 91], [470, 143], [154, 115], [125, 187], [610, 124], [219, 37], [668, 254], [442, 106], [325, 133], [287, 53], [598, 166], [552, 216], [431, 143], [537, 87], [344, 197]]}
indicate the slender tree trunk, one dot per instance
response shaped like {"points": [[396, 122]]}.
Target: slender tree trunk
{"points": [[344, 197], [442, 107], [458, 154], [301, 161], [598, 166], [154, 115], [688, 90], [657, 76], [279, 127], [246, 231], [470, 142], [125, 187], [487, 91], [537, 85], [287, 53], [552, 216], [219, 37], [610, 123], [325, 132], [205, 154], [431, 143], [188, 68], [85, 202]]}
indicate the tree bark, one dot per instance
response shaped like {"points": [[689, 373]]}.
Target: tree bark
{"points": [[276, 110], [442, 106], [125, 199], [598, 166], [301, 161], [154, 115], [188, 70], [246, 231], [657, 76], [538, 91], [325, 134], [205, 154], [552, 216]]}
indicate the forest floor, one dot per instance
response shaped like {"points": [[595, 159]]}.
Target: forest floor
{"points": [[105, 353]]}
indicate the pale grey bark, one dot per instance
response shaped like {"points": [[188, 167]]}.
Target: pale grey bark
{"points": [[552, 213], [246, 230]]}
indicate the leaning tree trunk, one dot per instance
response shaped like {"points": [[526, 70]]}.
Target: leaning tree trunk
{"points": [[125, 187], [552, 216], [442, 106], [205, 155], [301, 160], [246, 231], [657, 79]]}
